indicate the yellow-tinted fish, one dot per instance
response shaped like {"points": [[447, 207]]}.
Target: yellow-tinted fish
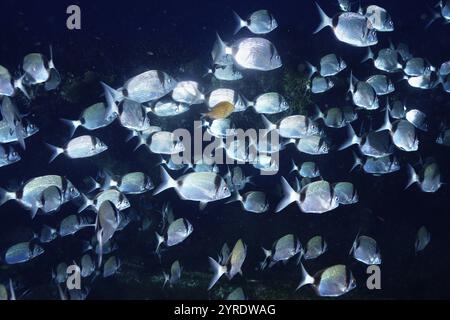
{"points": [[221, 110]]}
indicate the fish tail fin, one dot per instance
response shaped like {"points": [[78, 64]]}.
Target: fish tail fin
{"points": [[18, 83], [312, 69], [207, 71], [306, 278], [220, 49], [294, 166], [85, 204], [318, 114], [159, 241], [72, 124], [356, 162], [351, 87], [56, 151], [234, 197], [434, 15], [115, 94], [51, 63], [167, 182], [325, 20], [369, 55], [19, 130], [166, 279], [289, 195], [267, 124], [351, 139], [240, 23], [267, 255], [412, 176], [94, 185], [387, 125], [218, 270], [111, 95], [99, 235], [5, 196]]}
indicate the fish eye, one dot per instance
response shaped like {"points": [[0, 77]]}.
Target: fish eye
{"points": [[14, 154]]}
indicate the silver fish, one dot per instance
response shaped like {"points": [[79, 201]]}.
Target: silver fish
{"points": [[386, 60], [188, 92], [320, 85], [254, 54], [345, 193], [293, 127], [252, 201], [313, 145], [220, 128], [145, 87], [270, 103], [316, 197], [229, 95], [330, 65], [422, 239], [429, 179], [133, 183], [332, 118], [315, 247], [134, 116], [349, 27], [51, 199], [168, 108], [19, 134], [111, 266], [60, 273], [331, 282], [444, 138], [307, 169], [34, 67], [283, 249], [93, 117], [6, 83], [259, 22], [30, 194], [378, 166], [164, 142], [108, 221], [366, 250], [87, 265], [178, 231], [418, 119], [363, 95], [22, 252], [379, 18], [416, 67], [72, 224], [405, 136], [397, 110], [119, 200], [381, 84], [197, 186], [47, 234], [81, 147], [175, 274], [232, 266], [374, 144]]}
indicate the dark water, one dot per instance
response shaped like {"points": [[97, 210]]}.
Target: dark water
{"points": [[119, 40]]}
